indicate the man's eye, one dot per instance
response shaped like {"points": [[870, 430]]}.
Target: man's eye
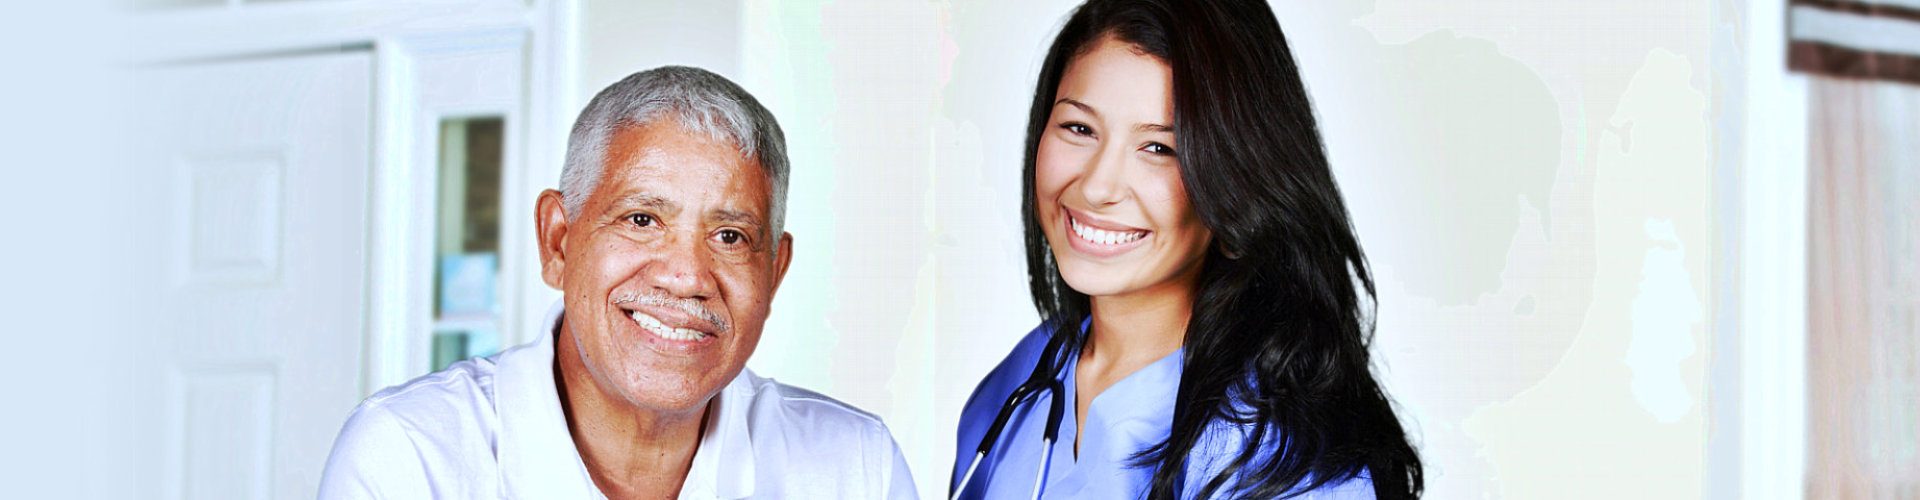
{"points": [[641, 220], [732, 237]]}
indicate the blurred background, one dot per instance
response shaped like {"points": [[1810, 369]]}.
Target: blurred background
{"points": [[1631, 249]]}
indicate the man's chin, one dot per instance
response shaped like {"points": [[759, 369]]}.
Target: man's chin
{"points": [[681, 403], [671, 393]]}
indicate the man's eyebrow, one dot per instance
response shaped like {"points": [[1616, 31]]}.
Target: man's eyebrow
{"points": [[741, 217], [644, 200]]}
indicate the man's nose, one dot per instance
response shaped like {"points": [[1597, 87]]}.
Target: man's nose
{"points": [[683, 267]]}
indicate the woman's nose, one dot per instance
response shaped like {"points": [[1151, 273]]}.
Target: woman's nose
{"points": [[1104, 182]]}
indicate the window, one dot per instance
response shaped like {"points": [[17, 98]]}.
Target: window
{"points": [[466, 300]]}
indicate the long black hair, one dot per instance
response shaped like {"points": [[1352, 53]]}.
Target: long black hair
{"points": [[1277, 345]]}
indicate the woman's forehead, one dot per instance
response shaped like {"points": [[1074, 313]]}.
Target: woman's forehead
{"points": [[1119, 83]]}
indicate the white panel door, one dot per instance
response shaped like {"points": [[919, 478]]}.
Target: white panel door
{"points": [[252, 213]]}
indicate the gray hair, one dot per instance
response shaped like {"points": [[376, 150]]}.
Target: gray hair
{"points": [[698, 100]]}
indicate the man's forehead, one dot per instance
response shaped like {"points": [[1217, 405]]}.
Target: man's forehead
{"points": [[652, 186], [630, 143], [664, 165]]}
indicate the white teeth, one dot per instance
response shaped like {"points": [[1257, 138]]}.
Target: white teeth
{"points": [[654, 325], [1105, 237]]}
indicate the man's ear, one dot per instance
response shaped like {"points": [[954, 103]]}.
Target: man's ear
{"points": [[550, 227], [782, 259]]}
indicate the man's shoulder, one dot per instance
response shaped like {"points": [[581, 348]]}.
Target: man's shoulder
{"points": [[810, 443], [396, 441], [810, 410], [458, 394]]}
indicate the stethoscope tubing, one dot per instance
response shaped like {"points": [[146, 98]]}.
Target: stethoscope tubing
{"points": [[1043, 378]]}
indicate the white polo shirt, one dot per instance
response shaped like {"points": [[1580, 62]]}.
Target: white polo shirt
{"points": [[492, 428]]}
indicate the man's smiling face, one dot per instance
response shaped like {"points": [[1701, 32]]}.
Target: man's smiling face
{"points": [[670, 267]]}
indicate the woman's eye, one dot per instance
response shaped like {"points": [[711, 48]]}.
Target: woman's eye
{"points": [[1077, 128], [641, 220], [1158, 148]]}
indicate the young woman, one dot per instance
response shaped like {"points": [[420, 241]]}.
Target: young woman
{"points": [[1204, 333]]}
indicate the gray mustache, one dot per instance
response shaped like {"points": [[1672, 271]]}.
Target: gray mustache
{"points": [[689, 306]]}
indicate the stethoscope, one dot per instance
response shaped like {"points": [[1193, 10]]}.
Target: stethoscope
{"points": [[1042, 379]]}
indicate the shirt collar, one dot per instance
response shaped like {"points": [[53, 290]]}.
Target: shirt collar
{"points": [[723, 465], [536, 453]]}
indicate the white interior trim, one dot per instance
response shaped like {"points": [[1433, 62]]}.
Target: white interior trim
{"points": [[1773, 265], [1723, 450], [1756, 447], [431, 79], [553, 69], [193, 33], [389, 274]]}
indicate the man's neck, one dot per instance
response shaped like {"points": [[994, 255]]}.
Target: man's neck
{"points": [[631, 452]]}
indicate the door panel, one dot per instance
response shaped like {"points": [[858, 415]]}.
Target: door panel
{"points": [[256, 175]]}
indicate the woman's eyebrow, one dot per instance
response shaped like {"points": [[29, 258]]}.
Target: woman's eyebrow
{"points": [[1083, 106], [1144, 127]]}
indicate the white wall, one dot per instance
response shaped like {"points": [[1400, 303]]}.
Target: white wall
{"points": [[1534, 182], [1559, 257], [619, 38], [70, 329], [905, 121]]}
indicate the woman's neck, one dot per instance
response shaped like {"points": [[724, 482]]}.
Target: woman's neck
{"points": [[1129, 332], [1141, 326], [1134, 331]]}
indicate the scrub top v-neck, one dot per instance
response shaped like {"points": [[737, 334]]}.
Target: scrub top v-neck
{"points": [[1131, 415]]}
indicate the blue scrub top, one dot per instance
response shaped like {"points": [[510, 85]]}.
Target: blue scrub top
{"points": [[1132, 415]]}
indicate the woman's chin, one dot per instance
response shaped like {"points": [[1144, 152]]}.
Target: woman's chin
{"points": [[1092, 283]]}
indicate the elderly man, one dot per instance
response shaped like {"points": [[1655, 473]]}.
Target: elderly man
{"points": [[666, 240]]}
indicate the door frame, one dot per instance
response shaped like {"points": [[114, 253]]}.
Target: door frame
{"points": [[407, 39], [1757, 379]]}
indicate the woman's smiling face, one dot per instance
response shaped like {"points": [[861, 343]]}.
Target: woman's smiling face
{"points": [[1107, 183]]}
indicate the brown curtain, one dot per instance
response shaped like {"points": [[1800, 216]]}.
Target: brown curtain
{"points": [[1878, 39], [1864, 337]]}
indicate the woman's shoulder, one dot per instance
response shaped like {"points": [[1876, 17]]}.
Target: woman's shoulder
{"points": [[978, 414], [999, 382], [1358, 487], [1027, 351], [1202, 467], [1013, 369], [1224, 440]]}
